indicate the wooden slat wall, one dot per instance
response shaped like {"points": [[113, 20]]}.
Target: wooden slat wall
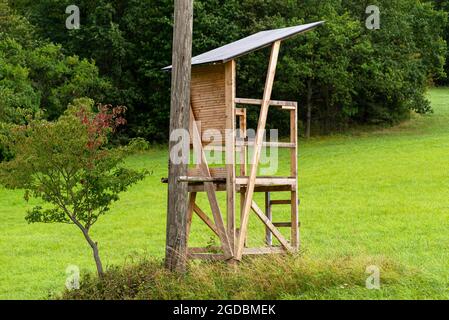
{"points": [[214, 172], [208, 97]]}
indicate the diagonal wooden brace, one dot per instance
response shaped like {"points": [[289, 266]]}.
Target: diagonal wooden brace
{"points": [[271, 227], [206, 219], [211, 195], [257, 149]]}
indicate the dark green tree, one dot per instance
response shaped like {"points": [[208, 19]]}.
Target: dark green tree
{"points": [[342, 72]]}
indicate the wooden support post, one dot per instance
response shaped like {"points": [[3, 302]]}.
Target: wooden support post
{"points": [[268, 237], [243, 159], [294, 173], [230, 150], [243, 148], [176, 235], [258, 147]]}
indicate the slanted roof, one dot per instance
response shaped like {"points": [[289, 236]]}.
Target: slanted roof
{"points": [[249, 44]]}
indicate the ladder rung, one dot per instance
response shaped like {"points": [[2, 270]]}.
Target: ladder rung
{"points": [[282, 224], [280, 202]]}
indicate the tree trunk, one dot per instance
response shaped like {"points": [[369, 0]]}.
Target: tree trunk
{"points": [[96, 255], [176, 241], [93, 244], [309, 108], [97, 260]]}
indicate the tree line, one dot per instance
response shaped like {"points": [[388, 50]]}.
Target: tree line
{"points": [[342, 73]]}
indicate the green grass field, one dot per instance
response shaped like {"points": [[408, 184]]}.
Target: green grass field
{"points": [[382, 194]]}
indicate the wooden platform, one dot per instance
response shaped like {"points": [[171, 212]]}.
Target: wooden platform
{"points": [[263, 184]]}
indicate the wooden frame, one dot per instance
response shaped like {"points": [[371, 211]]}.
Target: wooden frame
{"points": [[214, 101]]}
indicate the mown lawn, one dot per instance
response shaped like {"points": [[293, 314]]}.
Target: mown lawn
{"points": [[382, 194]]}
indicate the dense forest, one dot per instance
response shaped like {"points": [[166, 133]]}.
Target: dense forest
{"points": [[343, 72]]}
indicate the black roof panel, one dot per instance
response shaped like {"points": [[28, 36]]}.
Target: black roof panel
{"points": [[249, 44]]}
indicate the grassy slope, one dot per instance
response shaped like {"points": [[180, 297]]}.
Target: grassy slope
{"points": [[368, 194]]}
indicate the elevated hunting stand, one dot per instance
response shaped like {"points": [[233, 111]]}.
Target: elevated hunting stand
{"points": [[213, 107]]}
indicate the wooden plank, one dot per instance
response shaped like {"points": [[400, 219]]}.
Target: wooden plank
{"points": [[274, 181], [286, 145], [203, 216], [272, 228], [259, 102], [200, 179], [214, 172], [284, 188], [268, 237], [240, 112], [208, 98], [239, 143], [241, 188], [258, 147], [243, 159], [230, 150], [210, 189], [282, 224], [280, 202], [294, 238], [176, 232]]}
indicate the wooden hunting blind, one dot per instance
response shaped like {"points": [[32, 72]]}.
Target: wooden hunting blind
{"points": [[213, 107]]}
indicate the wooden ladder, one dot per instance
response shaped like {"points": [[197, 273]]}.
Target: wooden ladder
{"points": [[269, 213]]}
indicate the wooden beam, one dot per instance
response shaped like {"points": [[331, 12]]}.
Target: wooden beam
{"points": [[200, 179], [240, 112], [270, 226], [282, 224], [273, 181], [241, 188], [294, 238], [230, 150], [176, 234], [268, 237], [267, 144], [203, 216], [259, 102], [214, 172], [280, 202], [258, 147], [243, 159]]}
